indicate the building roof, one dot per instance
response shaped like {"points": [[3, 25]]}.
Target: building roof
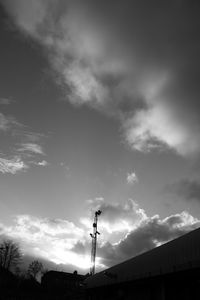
{"points": [[63, 275], [181, 254]]}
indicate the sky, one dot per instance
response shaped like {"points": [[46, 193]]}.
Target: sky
{"points": [[99, 109]]}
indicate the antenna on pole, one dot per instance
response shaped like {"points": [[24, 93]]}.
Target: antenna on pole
{"points": [[94, 242]]}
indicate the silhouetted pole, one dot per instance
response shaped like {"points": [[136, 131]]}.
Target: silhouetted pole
{"points": [[94, 242]]}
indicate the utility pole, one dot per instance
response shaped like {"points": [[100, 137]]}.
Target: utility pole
{"points": [[94, 242]]}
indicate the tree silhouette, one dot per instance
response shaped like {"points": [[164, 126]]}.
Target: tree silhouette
{"points": [[35, 268], [10, 255]]}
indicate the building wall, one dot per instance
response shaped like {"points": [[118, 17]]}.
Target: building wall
{"points": [[184, 286]]}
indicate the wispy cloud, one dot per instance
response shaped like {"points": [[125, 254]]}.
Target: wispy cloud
{"points": [[28, 135], [131, 178], [23, 144], [8, 122], [31, 147], [27, 154], [5, 101], [13, 165]]}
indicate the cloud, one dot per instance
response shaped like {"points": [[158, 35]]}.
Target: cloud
{"points": [[23, 161], [116, 219], [156, 231], [186, 189], [12, 165], [134, 66], [8, 122], [51, 239], [128, 231], [158, 128], [4, 122], [31, 147], [5, 101], [151, 233], [63, 242], [29, 136], [131, 178], [43, 163]]}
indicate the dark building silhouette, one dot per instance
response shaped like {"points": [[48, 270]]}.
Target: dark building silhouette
{"points": [[65, 284], [170, 271]]}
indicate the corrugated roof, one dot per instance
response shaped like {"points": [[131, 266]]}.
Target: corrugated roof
{"points": [[180, 254]]}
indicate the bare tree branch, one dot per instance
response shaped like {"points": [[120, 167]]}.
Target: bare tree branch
{"points": [[10, 255]]}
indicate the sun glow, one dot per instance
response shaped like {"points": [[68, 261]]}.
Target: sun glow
{"points": [[60, 256]]}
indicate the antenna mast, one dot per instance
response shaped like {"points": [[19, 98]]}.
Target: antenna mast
{"points": [[94, 242]]}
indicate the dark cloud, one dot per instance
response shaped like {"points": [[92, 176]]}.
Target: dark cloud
{"points": [[138, 232], [151, 233], [186, 189], [135, 60]]}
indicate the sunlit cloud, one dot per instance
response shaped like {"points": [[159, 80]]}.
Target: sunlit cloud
{"points": [[43, 163], [135, 236], [13, 165], [131, 178], [52, 239], [116, 219], [157, 128], [62, 242], [154, 232]]}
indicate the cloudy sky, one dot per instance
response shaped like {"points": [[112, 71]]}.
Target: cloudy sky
{"points": [[99, 109]]}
